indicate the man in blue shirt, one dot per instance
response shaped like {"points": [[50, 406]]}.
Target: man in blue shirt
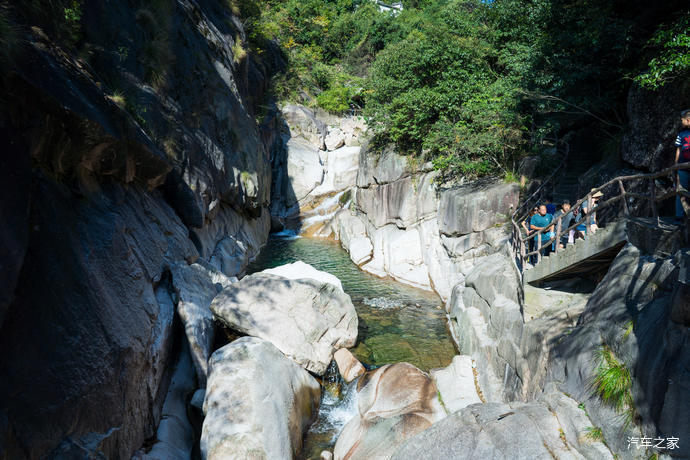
{"points": [[683, 156], [540, 221]]}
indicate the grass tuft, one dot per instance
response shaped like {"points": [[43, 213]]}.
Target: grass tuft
{"points": [[238, 51], [613, 383], [594, 434], [118, 99]]}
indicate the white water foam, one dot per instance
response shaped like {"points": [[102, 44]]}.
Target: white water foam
{"points": [[382, 303], [335, 411], [286, 234]]}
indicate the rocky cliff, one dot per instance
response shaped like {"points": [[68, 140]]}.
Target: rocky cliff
{"points": [[140, 152]]}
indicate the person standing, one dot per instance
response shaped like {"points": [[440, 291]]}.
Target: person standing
{"points": [[683, 156], [542, 221], [566, 222]]}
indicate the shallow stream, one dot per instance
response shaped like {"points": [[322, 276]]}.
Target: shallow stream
{"points": [[396, 323]]}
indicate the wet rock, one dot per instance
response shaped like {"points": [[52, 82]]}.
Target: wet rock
{"points": [[243, 376], [299, 270], [552, 428], [304, 318], [348, 366], [395, 402]]}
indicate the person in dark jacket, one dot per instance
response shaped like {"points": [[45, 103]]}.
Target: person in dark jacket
{"points": [[683, 156]]}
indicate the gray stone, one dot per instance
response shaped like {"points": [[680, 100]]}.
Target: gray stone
{"points": [[495, 275], [506, 431], [403, 202], [334, 139], [239, 423], [303, 167], [303, 123], [475, 208], [196, 289], [456, 385], [304, 318], [654, 123], [351, 231], [175, 435]]}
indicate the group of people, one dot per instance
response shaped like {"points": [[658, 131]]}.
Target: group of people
{"points": [[545, 217]]}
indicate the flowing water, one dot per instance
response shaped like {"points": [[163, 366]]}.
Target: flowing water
{"points": [[396, 323]]}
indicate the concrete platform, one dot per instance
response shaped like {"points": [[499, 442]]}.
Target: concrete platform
{"points": [[582, 257]]}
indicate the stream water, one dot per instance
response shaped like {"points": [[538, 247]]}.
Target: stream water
{"points": [[396, 323]]}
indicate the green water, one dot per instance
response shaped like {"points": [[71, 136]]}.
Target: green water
{"points": [[396, 322]]}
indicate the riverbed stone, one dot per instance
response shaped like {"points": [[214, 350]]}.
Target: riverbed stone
{"points": [[243, 376], [299, 270], [351, 231], [348, 366], [304, 318], [395, 402]]}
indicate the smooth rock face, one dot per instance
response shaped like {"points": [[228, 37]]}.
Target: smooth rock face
{"points": [[341, 168], [470, 209], [304, 168], [395, 402], [348, 366], [258, 402], [456, 385], [547, 429], [304, 318], [636, 290], [654, 123], [334, 139], [299, 270]]}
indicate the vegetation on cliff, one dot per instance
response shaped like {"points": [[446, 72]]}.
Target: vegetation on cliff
{"points": [[473, 85]]}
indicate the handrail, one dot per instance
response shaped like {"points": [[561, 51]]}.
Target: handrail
{"points": [[520, 243]]}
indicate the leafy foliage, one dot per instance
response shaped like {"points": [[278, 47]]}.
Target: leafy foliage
{"points": [[672, 56]]}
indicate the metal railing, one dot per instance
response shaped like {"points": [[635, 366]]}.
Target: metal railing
{"points": [[614, 186]]}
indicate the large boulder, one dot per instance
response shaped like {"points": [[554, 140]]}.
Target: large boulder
{"points": [[304, 318], [404, 201], [398, 253], [395, 402], [258, 402], [298, 270], [352, 232], [552, 428]]}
